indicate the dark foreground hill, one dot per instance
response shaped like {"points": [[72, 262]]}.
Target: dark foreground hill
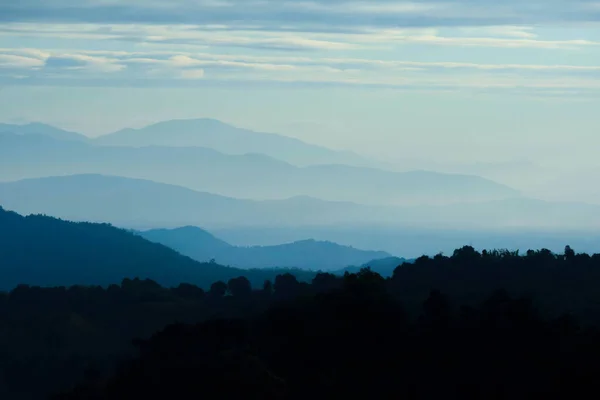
{"points": [[307, 254], [40, 250], [357, 334], [351, 337]]}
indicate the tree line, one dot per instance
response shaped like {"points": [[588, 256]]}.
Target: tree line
{"points": [[492, 324]]}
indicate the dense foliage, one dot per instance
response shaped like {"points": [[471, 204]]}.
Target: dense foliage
{"points": [[438, 327], [356, 341]]}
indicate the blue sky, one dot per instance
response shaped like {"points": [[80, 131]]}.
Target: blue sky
{"points": [[453, 80]]}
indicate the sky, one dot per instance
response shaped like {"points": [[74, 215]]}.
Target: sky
{"points": [[450, 80]]}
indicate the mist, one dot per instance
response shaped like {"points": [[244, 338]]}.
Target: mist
{"points": [[295, 199], [265, 189]]}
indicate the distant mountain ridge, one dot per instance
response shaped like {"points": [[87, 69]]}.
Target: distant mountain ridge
{"points": [[45, 251], [242, 176], [143, 204], [228, 139], [307, 254], [36, 128]]}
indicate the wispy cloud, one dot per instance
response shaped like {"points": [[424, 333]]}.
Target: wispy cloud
{"points": [[522, 32], [18, 61], [118, 60], [84, 62], [321, 42], [382, 13], [58, 61], [197, 36], [223, 36], [192, 73], [121, 68]]}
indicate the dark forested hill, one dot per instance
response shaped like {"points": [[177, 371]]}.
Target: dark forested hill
{"points": [[307, 254], [40, 250], [483, 324], [362, 336]]}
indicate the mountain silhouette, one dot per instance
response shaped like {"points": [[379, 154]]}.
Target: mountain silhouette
{"points": [[36, 128], [307, 254], [253, 176], [45, 251], [228, 139], [143, 204]]}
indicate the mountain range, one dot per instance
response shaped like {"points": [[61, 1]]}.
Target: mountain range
{"points": [[45, 251], [36, 128], [258, 152], [204, 132], [307, 254], [143, 204], [254, 176], [228, 139], [140, 203]]}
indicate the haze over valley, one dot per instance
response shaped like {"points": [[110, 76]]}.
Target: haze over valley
{"points": [[246, 174], [211, 175], [299, 199]]}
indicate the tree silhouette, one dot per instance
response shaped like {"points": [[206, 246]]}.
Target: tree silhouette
{"points": [[217, 290], [324, 282], [286, 286], [188, 291], [473, 325], [240, 287], [569, 253]]}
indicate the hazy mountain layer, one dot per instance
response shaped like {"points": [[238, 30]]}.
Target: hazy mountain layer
{"points": [[570, 186], [228, 139], [533, 180], [307, 254], [245, 176], [141, 203], [42, 129], [145, 204], [414, 241]]}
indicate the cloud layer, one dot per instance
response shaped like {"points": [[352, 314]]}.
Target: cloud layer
{"points": [[430, 44], [386, 13], [158, 68]]}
